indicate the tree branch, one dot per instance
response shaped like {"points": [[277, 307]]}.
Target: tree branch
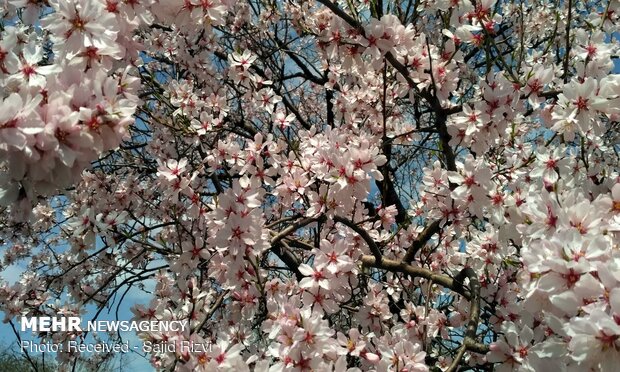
{"points": [[416, 272], [567, 47], [297, 225], [213, 309], [288, 258], [374, 248], [424, 237], [469, 341]]}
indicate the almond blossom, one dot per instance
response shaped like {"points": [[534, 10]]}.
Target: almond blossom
{"points": [[316, 185]]}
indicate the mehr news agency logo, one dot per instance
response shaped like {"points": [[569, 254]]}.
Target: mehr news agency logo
{"points": [[74, 324]]}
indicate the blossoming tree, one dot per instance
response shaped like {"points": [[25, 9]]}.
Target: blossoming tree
{"points": [[319, 185]]}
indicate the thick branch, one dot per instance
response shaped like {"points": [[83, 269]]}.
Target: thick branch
{"points": [[444, 136], [390, 197], [279, 248], [297, 225], [416, 272], [288, 258], [218, 302], [301, 64], [469, 341], [374, 248], [567, 47], [457, 359], [424, 237], [474, 289]]}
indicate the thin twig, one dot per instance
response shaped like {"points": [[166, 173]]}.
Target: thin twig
{"points": [[32, 363]]}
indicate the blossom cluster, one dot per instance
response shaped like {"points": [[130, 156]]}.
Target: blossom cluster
{"points": [[318, 185], [69, 94]]}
